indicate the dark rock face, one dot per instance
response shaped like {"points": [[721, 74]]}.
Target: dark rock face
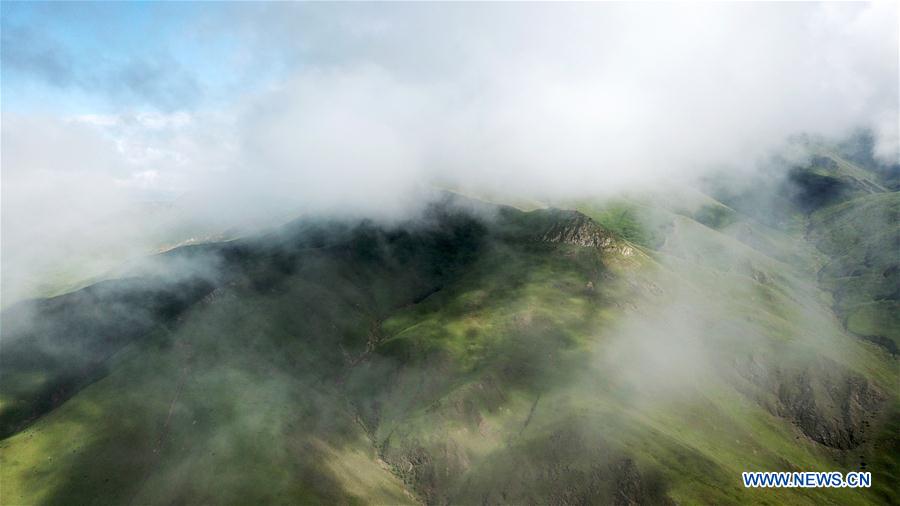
{"points": [[828, 403], [835, 419], [563, 468], [429, 475]]}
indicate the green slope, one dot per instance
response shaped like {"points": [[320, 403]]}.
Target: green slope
{"points": [[862, 238], [481, 356]]}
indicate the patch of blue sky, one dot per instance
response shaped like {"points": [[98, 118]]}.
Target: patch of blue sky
{"points": [[80, 58]]}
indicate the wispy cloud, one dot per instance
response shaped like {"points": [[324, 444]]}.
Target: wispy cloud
{"points": [[349, 108]]}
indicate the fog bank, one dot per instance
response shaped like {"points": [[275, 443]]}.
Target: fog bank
{"points": [[367, 106]]}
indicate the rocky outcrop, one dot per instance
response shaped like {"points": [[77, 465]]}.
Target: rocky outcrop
{"points": [[836, 415], [428, 471], [631, 488], [828, 403], [578, 229]]}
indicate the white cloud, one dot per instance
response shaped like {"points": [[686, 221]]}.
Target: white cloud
{"points": [[547, 99], [569, 99]]}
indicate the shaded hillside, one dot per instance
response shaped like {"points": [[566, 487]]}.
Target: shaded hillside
{"points": [[54, 347]]}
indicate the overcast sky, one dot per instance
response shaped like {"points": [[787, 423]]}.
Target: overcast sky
{"points": [[338, 108]]}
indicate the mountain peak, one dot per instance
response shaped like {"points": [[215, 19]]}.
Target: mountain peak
{"points": [[578, 229]]}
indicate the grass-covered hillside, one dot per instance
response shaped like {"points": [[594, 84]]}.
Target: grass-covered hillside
{"points": [[638, 351], [862, 239]]}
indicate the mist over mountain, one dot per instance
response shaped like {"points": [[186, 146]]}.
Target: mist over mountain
{"points": [[309, 253], [334, 109]]}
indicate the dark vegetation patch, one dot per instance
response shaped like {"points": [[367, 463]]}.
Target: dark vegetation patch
{"points": [[715, 217], [812, 191]]}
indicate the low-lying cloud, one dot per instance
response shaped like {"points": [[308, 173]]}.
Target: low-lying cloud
{"points": [[373, 104]]}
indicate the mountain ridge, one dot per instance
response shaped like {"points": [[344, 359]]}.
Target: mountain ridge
{"points": [[480, 354]]}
